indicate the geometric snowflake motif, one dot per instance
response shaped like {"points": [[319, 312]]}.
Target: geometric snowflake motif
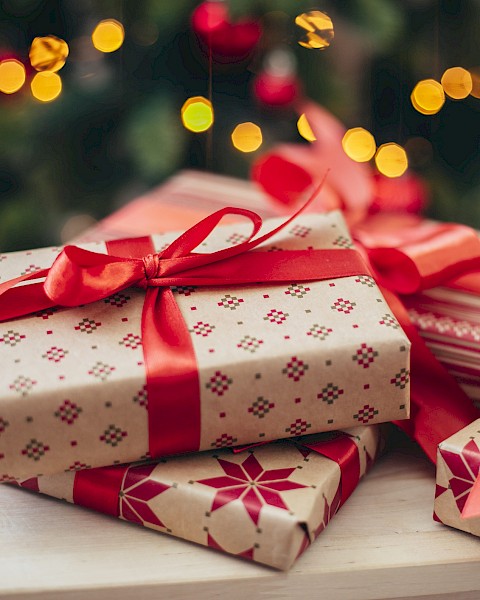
{"points": [[113, 435], [276, 316], [231, 302], [401, 379], [330, 393], [252, 485], [297, 291], [319, 332], [236, 238], [30, 269], [295, 368], [55, 354], [329, 511], [3, 424], [389, 321], [203, 329], [78, 466], [101, 371], [67, 412], [137, 490], [224, 441], [22, 385], [365, 280], [117, 300], [366, 414], [260, 407], [131, 341], [219, 383], [343, 242], [464, 468], [341, 305], [298, 427], [35, 449], [300, 231], [87, 325], [251, 344], [12, 338], [365, 355], [185, 290], [141, 397]]}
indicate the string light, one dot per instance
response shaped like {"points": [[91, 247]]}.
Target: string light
{"points": [[247, 137], [457, 83], [428, 97], [475, 74], [48, 53], [359, 144], [46, 86], [197, 114], [12, 76], [108, 35], [304, 129], [317, 28], [391, 160]]}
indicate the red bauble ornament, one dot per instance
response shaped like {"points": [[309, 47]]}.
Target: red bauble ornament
{"points": [[275, 90], [228, 42]]}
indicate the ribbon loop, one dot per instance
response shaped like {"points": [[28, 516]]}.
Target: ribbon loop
{"points": [[151, 267]]}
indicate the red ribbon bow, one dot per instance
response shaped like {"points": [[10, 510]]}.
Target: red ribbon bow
{"points": [[79, 276]]}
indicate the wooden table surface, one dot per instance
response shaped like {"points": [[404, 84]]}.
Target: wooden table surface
{"points": [[382, 544]]}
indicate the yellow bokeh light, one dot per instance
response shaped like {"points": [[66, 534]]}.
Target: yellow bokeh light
{"points": [[12, 76], [108, 35], [359, 144], [197, 114], [318, 30], [391, 160], [247, 137], [428, 97], [457, 83], [46, 86], [475, 74], [304, 129], [48, 53]]}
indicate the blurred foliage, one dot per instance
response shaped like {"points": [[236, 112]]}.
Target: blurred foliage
{"points": [[115, 130]]}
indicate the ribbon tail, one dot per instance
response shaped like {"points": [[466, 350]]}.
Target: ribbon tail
{"points": [[19, 301], [472, 505], [172, 376], [439, 407]]}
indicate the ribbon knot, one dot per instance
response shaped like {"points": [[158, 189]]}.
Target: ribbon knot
{"points": [[151, 267]]}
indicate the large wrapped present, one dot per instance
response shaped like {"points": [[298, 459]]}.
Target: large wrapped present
{"points": [[266, 504], [457, 496], [185, 367]]}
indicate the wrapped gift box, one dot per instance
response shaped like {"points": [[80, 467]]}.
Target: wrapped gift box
{"points": [[266, 504], [457, 498], [273, 361]]}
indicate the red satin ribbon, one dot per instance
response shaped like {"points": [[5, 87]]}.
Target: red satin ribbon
{"points": [[344, 451], [79, 276]]}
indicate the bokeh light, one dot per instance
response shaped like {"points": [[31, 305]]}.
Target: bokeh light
{"points": [[391, 160], [359, 144], [197, 114], [48, 53], [46, 86], [457, 83], [74, 226], [247, 137], [12, 76], [428, 97], [304, 128], [317, 28], [475, 74], [108, 35]]}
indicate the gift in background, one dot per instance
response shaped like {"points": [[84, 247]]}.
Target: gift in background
{"points": [[266, 504], [274, 361]]}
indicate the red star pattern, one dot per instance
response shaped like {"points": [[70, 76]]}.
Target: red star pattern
{"points": [[251, 484], [464, 468], [137, 490]]}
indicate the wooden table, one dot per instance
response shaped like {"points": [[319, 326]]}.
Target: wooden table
{"points": [[382, 544]]}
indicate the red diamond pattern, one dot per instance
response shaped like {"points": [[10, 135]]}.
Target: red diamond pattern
{"points": [[117, 300], [261, 407], [295, 369], [401, 379], [224, 441], [330, 393], [68, 412], [276, 316], [365, 355], [55, 354], [131, 341], [141, 397], [300, 231], [298, 427], [231, 302], [203, 329], [35, 449], [113, 435], [11, 338], [344, 306], [366, 414], [219, 383], [87, 325], [319, 332], [22, 385], [297, 290]]}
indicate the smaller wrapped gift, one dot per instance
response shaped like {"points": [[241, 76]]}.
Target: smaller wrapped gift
{"points": [[192, 363], [457, 495], [266, 503]]}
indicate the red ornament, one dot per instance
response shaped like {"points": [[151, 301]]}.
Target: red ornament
{"points": [[276, 90], [229, 42]]}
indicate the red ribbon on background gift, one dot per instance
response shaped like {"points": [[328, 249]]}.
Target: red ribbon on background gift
{"points": [[78, 277]]}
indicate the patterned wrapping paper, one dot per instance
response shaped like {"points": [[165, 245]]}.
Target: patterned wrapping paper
{"points": [[458, 467], [274, 361], [266, 504]]}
